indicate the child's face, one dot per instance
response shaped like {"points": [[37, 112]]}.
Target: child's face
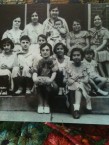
{"points": [[7, 47], [97, 21], [60, 50], [76, 26], [58, 24], [25, 45], [76, 56], [89, 57], [45, 52], [41, 41]]}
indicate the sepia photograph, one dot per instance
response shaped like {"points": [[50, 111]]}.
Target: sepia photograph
{"points": [[54, 63]]}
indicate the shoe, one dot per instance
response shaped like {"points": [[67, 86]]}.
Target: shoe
{"points": [[18, 92], [76, 114], [4, 92], [102, 92], [40, 109], [28, 91], [46, 109]]}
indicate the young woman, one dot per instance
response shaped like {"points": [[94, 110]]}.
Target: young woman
{"points": [[8, 61], [98, 41], [14, 34], [77, 37], [77, 82], [43, 77]]}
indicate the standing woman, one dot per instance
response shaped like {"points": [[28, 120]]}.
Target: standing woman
{"points": [[14, 34], [49, 22], [34, 28], [77, 37], [98, 41]]}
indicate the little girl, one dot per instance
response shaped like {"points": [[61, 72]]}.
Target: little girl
{"points": [[78, 82], [93, 73], [43, 77], [8, 61]]}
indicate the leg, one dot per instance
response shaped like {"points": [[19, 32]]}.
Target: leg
{"points": [[100, 66], [107, 68], [101, 81]]}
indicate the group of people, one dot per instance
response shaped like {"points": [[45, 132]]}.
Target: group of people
{"points": [[53, 61]]}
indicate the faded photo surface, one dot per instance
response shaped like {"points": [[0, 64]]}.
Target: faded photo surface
{"points": [[54, 60]]}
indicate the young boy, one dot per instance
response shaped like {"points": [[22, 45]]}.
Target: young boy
{"points": [[24, 72], [94, 77]]}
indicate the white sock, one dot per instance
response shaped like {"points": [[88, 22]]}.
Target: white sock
{"points": [[76, 106]]}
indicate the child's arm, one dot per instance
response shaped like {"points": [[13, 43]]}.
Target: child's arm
{"points": [[51, 79]]}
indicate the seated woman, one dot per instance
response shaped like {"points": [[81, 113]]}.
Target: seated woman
{"points": [[78, 82], [77, 37], [43, 77], [62, 60], [8, 61]]}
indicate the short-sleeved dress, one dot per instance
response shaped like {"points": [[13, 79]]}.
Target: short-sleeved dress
{"points": [[96, 39]]}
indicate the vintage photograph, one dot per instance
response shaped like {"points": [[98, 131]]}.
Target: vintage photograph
{"points": [[54, 62]]}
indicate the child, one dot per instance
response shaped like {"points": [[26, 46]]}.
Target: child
{"points": [[8, 61], [36, 50], [43, 77], [24, 72], [94, 76], [78, 82], [58, 33]]}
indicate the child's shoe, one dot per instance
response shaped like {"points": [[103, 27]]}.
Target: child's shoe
{"points": [[40, 109], [19, 91], [104, 93], [28, 91], [47, 109]]}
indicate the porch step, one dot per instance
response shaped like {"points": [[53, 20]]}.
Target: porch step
{"points": [[100, 104]]}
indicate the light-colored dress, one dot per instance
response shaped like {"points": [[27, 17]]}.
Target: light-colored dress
{"points": [[15, 37], [96, 39]]}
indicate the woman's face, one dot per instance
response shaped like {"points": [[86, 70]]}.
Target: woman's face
{"points": [[60, 50], [76, 26], [17, 22], [7, 47], [76, 56], [41, 40], [54, 13], [97, 21], [45, 52], [34, 17]]}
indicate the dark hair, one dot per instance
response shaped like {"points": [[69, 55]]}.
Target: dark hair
{"points": [[25, 37], [34, 12], [77, 20], [46, 44], [64, 47], [89, 51], [7, 40], [77, 49], [58, 20], [101, 17], [53, 7], [43, 36]]}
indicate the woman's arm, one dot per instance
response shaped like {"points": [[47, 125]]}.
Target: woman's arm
{"points": [[102, 45], [87, 44]]}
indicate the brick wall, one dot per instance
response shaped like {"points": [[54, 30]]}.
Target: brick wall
{"points": [[103, 10]]}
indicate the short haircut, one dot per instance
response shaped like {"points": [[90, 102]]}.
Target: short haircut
{"points": [[25, 37], [77, 20], [89, 51], [64, 47], [42, 36], [53, 7], [46, 44], [7, 40], [76, 49]]}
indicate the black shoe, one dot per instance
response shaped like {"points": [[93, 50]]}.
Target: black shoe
{"points": [[76, 114]]}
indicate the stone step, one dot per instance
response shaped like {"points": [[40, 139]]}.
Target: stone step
{"points": [[100, 104]]}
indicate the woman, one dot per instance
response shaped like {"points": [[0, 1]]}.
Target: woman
{"points": [[49, 22], [14, 34], [77, 37], [98, 41], [62, 60]]}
